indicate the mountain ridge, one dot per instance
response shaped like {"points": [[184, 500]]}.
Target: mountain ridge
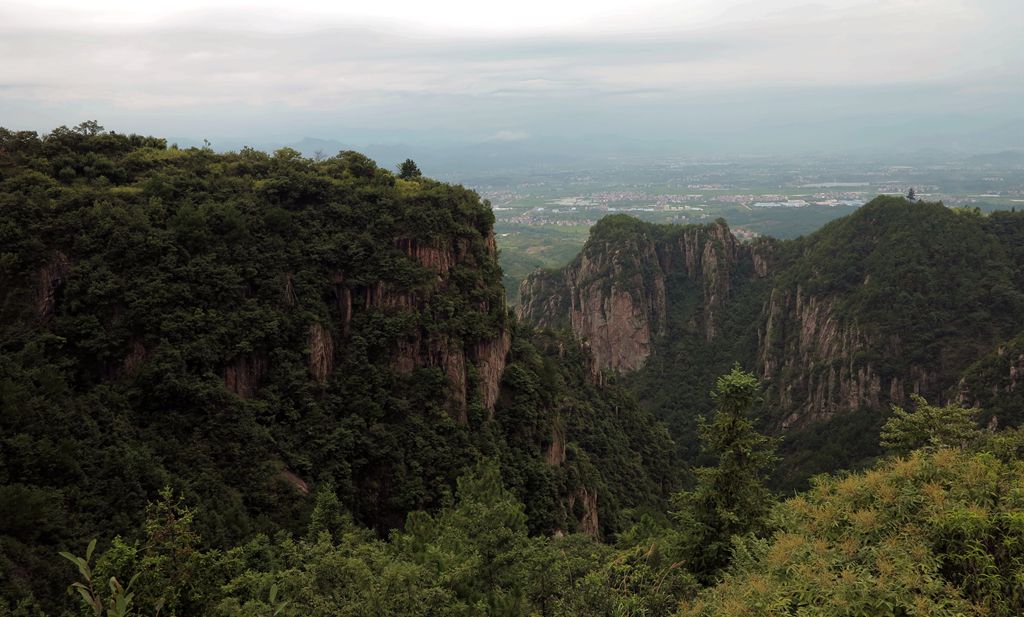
{"points": [[897, 298]]}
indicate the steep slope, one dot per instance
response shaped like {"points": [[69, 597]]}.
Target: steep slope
{"points": [[596, 451], [616, 295], [246, 328], [897, 298], [995, 384], [231, 283]]}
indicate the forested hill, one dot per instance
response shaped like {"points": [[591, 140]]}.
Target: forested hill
{"points": [[252, 330], [898, 298]]}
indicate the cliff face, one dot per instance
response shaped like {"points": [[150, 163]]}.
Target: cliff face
{"points": [[814, 365], [421, 346], [49, 281], [595, 448], [995, 384], [1016, 373], [263, 327], [891, 301], [610, 300], [426, 346], [325, 303], [614, 297]]}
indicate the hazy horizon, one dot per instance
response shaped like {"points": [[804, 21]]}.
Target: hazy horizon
{"points": [[704, 78]]}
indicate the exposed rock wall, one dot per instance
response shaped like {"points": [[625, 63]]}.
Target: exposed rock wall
{"points": [[614, 295], [815, 365], [343, 301], [321, 352], [807, 357], [616, 327], [615, 299], [48, 283], [452, 359], [243, 376], [427, 255], [555, 454], [708, 255], [490, 356], [288, 295], [134, 358], [1016, 373], [420, 348], [996, 382], [587, 499]]}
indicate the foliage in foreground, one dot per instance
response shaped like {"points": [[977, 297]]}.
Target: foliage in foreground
{"points": [[929, 426], [935, 533], [938, 532], [474, 558], [730, 499]]}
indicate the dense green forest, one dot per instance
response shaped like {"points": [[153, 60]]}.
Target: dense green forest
{"points": [[934, 529], [260, 384], [249, 329]]}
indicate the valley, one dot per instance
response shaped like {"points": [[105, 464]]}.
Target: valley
{"points": [[543, 215]]}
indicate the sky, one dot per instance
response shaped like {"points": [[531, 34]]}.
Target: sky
{"points": [[693, 76]]}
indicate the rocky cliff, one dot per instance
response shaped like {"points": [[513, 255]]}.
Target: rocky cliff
{"points": [[615, 295], [888, 302], [816, 364], [428, 346], [995, 384], [596, 448], [257, 331], [419, 347], [241, 315]]}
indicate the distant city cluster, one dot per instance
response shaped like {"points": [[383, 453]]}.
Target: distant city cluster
{"points": [[584, 209], [762, 195]]}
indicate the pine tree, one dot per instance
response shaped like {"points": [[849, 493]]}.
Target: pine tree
{"points": [[328, 514], [731, 498], [409, 170]]}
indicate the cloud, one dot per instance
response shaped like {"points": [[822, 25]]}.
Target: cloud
{"points": [[653, 66], [507, 135]]}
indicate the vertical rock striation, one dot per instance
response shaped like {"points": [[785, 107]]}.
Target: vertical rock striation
{"points": [[424, 345], [48, 284], [614, 296], [639, 289]]}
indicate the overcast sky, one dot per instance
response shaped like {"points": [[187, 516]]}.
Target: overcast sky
{"points": [[735, 75]]}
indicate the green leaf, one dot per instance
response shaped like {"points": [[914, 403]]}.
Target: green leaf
{"points": [[83, 565], [85, 594], [70, 557]]}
